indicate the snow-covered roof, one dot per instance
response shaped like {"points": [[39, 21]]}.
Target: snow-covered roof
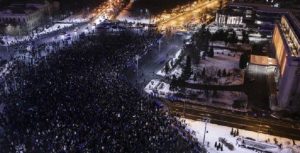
{"points": [[262, 60]]}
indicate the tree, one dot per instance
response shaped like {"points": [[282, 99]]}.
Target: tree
{"points": [[243, 61], [167, 68], [195, 77], [187, 70], [245, 38], [203, 72], [191, 51], [224, 73], [173, 83], [232, 37], [219, 73], [201, 39], [211, 51]]}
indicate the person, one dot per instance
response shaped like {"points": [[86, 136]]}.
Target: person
{"points": [[79, 100]]}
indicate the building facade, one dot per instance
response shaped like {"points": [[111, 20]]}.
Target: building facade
{"points": [[228, 17], [263, 16], [286, 43], [22, 18]]}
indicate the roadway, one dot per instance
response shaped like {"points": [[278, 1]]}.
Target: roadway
{"points": [[97, 15], [262, 124], [153, 61], [181, 19]]}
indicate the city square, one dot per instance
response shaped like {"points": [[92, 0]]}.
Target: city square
{"points": [[168, 76]]}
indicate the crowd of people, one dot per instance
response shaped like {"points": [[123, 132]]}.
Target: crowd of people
{"points": [[79, 100]]}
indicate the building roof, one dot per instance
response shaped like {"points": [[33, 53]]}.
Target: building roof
{"points": [[259, 7], [292, 15], [262, 60], [294, 22], [22, 8], [231, 12]]}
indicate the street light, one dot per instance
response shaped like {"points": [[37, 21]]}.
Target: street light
{"points": [[159, 44], [206, 120], [137, 57], [7, 45]]}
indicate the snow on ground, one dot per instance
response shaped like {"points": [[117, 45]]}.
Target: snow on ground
{"points": [[75, 19], [55, 27], [158, 88], [257, 39], [219, 43], [8, 40], [223, 59], [135, 20], [177, 71], [216, 131], [72, 19]]}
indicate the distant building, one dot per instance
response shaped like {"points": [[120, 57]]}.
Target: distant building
{"points": [[286, 42], [263, 16], [22, 18], [229, 17]]}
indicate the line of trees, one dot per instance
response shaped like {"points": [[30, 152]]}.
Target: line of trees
{"points": [[229, 36]]}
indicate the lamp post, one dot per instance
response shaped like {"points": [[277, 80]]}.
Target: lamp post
{"points": [[159, 44], [206, 121], [260, 124], [137, 57], [7, 46]]}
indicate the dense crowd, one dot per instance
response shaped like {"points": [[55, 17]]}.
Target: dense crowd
{"points": [[78, 100]]}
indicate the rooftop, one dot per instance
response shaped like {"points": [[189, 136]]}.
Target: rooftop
{"points": [[291, 32], [228, 11], [262, 60], [22, 8], [259, 7]]}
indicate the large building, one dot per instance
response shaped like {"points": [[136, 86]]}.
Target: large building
{"points": [[22, 18], [229, 17], [263, 16], [286, 44]]}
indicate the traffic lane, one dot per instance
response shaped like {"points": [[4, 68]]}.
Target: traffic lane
{"points": [[254, 124], [55, 37], [152, 62], [261, 116], [245, 117], [201, 6], [178, 20]]}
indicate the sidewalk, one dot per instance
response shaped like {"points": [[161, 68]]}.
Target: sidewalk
{"points": [[217, 131]]}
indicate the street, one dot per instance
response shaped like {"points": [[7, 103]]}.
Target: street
{"points": [[181, 18], [258, 124]]}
